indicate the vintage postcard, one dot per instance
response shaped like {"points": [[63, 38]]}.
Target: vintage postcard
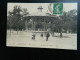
{"points": [[42, 25]]}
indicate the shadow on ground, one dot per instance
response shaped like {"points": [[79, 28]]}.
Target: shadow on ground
{"points": [[62, 36]]}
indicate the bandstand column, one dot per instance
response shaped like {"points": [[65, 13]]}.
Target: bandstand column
{"points": [[44, 24], [26, 27]]}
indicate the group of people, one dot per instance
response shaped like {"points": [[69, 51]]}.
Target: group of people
{"points": [[47, 36]]}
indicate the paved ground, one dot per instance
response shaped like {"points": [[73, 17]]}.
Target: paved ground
{"points": [[23, 39]]}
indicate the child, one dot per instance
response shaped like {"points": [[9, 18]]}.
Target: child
{"points": [[33, 36]]}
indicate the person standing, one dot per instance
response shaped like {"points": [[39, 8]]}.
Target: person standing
{"points": [[47, 36], [61, 35], [41, 34], [33, 36]]}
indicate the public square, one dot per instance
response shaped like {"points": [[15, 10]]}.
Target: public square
{"points": [[24, 39]]}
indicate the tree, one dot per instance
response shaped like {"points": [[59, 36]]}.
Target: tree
{"points": [[69, 20], [16, 17]]}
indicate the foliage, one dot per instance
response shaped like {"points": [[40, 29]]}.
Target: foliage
{"points": [[15, 19], [66, 22]]}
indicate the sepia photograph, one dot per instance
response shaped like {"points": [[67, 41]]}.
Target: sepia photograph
{"points": [[42, 25]]}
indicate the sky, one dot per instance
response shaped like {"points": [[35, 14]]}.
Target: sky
{"points": [[32, 7]]}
